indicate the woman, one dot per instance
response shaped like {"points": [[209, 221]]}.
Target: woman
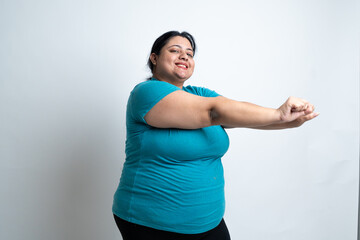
{"points": [[172, 184]]}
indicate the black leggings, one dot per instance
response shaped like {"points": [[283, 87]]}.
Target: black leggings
{"points": [[132, 231]]}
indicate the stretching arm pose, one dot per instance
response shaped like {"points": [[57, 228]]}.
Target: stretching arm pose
{"points": [[175, 168], [184, 110], [174, 63]]}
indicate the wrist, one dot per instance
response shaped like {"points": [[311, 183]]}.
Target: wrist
{"points": [[279, 116]]}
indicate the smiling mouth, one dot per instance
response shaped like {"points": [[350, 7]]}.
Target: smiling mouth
{"points": [[181, 66]]}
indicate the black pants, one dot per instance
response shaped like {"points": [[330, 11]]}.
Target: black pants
{"points": [[132, 231]]}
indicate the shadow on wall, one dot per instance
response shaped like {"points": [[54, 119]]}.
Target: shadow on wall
{"points": [[73, 182]]}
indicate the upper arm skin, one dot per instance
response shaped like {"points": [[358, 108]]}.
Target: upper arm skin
{"points": [[182, 110]]}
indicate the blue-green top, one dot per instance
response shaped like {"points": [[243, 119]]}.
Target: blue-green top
{"points": [[172, 179]]}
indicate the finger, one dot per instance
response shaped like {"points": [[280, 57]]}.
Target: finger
{"points": [[309, 109], [315, 114], [310, 116], [298, 107], [297, 114], [302, 101], [298, 104]]}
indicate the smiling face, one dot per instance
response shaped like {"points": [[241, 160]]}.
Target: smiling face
{"points": [[175, 63]]}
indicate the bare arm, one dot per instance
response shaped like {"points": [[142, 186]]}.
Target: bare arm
{"points": [[182, 110], [293, 124], [187, 111], [231, 113]]}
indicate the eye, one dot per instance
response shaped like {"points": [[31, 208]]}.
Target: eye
{"points": [[190, 55], [174, 50]]}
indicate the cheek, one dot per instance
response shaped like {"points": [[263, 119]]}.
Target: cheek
{"points": [[192, 65]]}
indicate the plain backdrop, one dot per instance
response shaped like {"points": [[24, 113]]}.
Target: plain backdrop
{"points": [[67, 68]]}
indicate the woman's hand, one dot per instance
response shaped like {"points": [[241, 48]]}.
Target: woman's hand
{"points": [[296, 110], [293, 113], [300, 120]]}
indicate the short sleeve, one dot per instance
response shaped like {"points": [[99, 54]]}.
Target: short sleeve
{"points": [[145, 95], [201, 91]]}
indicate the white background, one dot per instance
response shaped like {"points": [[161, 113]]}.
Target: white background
{"points": [[66, 70]]}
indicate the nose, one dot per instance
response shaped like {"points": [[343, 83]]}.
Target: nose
{"points": [[183, 56]]}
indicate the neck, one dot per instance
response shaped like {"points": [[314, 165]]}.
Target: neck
{"points": [[176, 82]]}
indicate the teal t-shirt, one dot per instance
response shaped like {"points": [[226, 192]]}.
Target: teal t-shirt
{"points": [[172, 179]]}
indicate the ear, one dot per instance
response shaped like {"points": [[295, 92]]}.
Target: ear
{"points": [[153, 58]]}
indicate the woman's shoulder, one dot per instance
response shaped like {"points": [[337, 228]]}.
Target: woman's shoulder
{"points": [[148, 83], [200, 91], [152, 85]]}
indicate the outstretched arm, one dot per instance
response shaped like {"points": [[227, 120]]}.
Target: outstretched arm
{"points": [[293, 113], [296, 123], [288, 109], [187, 111]]}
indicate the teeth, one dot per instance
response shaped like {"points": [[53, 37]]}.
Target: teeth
{"points": [[181, 65]]}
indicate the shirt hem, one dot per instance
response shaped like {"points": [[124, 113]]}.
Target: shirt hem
{"points": [[169, 229]]}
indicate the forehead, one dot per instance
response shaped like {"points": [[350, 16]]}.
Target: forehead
{"points": [[178, 40]]}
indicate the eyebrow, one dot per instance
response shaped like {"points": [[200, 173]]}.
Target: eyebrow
{"points": [[180, 47]]}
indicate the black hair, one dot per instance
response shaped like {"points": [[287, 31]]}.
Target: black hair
{"points": [[161, 41]]}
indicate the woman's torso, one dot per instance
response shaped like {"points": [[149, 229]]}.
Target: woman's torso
{"points": [[172, 179]]}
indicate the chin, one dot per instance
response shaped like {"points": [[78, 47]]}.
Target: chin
{"points": [[182, 77]]}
